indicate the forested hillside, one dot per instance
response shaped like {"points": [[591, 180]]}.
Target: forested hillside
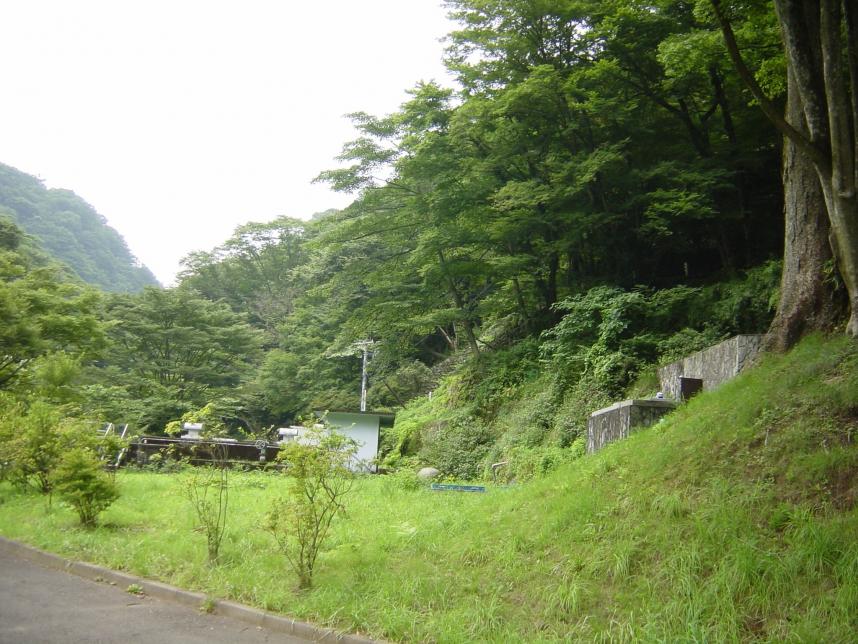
{"points": [[600, 195], [72, 232], [602, 192], [609, 185]]}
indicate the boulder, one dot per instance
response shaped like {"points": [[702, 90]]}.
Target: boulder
{"points": [[427, 473]]}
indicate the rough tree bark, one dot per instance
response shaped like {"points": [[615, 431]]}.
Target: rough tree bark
{"points": [[807, 301], [839, 180], [826, 84]]}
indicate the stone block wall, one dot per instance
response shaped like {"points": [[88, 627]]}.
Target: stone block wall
{"points": [[621, 419], [714, 365]]}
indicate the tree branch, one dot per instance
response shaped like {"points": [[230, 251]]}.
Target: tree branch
{"points": [[774, 115]]}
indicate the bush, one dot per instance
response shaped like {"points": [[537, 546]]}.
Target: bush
{"points": [[209, 415], [489, 382], [79, 480], [31, 445], [207, 489], [458, 448], [526, 463], [403, 439], [396, 389], [404, 478], [321, 479], [609, 335]]}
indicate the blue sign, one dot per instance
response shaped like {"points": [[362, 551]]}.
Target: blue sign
{"points": [[448, 487]]}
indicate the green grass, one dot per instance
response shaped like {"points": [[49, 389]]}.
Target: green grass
{"points": [[732, 520]]}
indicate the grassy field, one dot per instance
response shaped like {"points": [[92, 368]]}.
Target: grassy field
{"points": [[732, 520]]}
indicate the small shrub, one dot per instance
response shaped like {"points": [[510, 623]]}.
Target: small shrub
{"points": [[207, 489], [321, 479], [403, 479], [79, 480], [34, 440], [31, 445]]}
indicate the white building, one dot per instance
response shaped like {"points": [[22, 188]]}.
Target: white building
{"points": [[362, 427]]}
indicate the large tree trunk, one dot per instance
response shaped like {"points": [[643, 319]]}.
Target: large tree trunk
{"points": [[807, 300], [842, 176], [826, 83], [814, 52], [843, 215]]}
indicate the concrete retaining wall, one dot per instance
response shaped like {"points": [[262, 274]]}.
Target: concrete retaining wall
{"points": [[714, 365], [621, 419]]}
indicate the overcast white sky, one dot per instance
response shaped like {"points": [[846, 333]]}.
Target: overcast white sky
{"points": [[179, 120]]}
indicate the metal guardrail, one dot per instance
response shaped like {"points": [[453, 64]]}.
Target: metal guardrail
{"points": [[495, 468], [124, 450], [202, 451]]}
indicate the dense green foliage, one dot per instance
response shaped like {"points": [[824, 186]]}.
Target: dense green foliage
{"points": [[31, 446], [598, 196], [41, 450], [596, 155], [528, 403], [171, 351], [72, 232], [732, 520], [595, 197], [45, 317], [80, 481]]}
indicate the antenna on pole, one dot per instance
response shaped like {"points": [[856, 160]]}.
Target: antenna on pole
{"points": [[364, 346]]}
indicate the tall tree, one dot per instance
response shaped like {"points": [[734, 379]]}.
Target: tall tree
{"points": [[254, 270], [622, 122], [175, 337], [42, 312], [410, 203], [808, 300], [177, 350], [824, 70]]}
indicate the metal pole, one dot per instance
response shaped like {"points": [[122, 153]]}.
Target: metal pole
{"points": [[363, 381]]}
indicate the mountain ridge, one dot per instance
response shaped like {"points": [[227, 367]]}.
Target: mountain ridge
{"points": [[72, 231]]}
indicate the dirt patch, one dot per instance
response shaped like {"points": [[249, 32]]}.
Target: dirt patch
{"points": [[755, 627], [843, 486], [848, 419]]}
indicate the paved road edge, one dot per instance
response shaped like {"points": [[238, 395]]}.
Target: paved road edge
{"points": [[159, 590]]}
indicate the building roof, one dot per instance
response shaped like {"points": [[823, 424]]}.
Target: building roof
{"points": [[385, 418]]}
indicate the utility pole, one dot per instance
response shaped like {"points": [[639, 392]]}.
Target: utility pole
{"points": [[363, 380], [365, 346]]}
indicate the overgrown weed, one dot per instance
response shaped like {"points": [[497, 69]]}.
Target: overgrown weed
{"points": [[691, 532]]}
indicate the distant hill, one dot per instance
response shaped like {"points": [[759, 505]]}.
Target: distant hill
{"points": [[72, 231]]}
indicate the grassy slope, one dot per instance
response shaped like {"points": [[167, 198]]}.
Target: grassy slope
{"points": [[734, 519]]}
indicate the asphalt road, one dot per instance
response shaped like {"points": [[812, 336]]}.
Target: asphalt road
{"points": [[42, 605]]}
